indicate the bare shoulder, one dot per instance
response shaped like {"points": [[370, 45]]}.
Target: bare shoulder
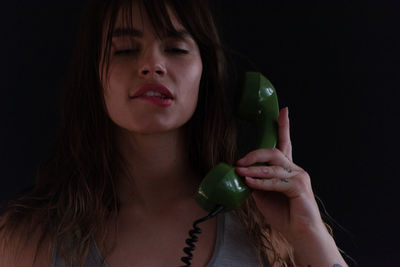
{"points": [[17, 249]]}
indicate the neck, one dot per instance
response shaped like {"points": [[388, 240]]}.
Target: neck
{"points": [[158, 170]]}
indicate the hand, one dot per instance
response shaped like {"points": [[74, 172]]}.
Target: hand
{"points": [[283, 194], [282, 190]]}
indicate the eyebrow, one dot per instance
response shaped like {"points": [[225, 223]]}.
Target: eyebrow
{"points": [[132, 32]]}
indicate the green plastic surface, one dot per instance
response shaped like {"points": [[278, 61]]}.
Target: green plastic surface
{"points": [[259, 105]]}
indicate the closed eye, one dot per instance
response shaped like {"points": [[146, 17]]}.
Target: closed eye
{"points": [[125, 52], [177, 50], [133, 51]]}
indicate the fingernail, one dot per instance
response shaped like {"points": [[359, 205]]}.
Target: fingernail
{"points": [[242, 169], [249, 179], [242, 161]]}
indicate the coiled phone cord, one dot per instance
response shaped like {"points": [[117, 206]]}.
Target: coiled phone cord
{"points": [[193, 237]]}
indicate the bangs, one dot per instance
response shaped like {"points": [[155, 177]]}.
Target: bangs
{"points": [[156, 11]]}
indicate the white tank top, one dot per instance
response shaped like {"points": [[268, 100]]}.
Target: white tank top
{"points": [[232, 248]]}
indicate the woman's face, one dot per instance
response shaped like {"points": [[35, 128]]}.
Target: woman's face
{"points": [[139, 58]]}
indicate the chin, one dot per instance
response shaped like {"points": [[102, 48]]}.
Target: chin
{"points": [[152, 128], [147, 125]]}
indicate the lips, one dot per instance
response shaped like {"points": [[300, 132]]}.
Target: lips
{"points": [[153, 89]]}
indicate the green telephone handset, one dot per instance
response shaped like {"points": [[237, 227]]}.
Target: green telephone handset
{"points": [[259, 105], [222, 189]]}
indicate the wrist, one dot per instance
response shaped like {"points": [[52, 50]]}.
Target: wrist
{"points": [[308, 231], [317, 248]]}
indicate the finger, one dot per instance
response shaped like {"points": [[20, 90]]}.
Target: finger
{"points": [[266, 172], [287, 186], [284, 143], [295, 186], [272, 156]]}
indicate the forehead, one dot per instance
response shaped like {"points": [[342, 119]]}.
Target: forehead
{"points": [[134, 20]]}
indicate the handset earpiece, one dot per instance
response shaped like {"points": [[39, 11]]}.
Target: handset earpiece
{"points": [[259, 105]]}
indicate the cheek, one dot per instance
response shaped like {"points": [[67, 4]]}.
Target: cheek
{"points": [[191, 74], [115, 91], [114, 81], [112, 106], [114, 98], [190, 85], [197, 71]]}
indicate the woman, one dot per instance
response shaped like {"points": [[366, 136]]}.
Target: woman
{"points": [[144, 118]]}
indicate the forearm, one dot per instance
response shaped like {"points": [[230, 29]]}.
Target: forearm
{"points": [[318, 249]]}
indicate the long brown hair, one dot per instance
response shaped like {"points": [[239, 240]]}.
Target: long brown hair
{"points": [[75, 193]]}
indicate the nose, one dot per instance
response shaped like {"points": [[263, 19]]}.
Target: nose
{"points": [[152, 64]]}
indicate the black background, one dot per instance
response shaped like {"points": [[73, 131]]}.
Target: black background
{"points": [[335, 65]]}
